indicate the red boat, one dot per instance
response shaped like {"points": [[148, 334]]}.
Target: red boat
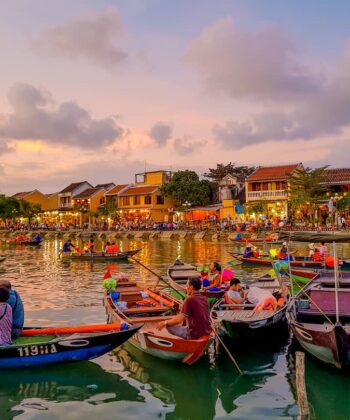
{"points": [[297, 262], [259, 241], [132, 305]]}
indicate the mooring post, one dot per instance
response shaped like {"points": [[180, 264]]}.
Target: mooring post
{"points": [[300, 385]]}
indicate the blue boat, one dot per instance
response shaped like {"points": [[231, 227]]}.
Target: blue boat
{"points": [[43, 350]]}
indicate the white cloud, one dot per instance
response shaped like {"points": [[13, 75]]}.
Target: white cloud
{"points": [[35, 117], [258, 64], [94, 38], [186, 146]]}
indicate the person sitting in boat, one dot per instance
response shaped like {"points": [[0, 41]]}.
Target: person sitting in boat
{"points": [[248, 252], [91, 246], [323, 250], [204, 272], [238, 237], [215, 277], [5, 318], [235, 294], [283, 253], [106, 248], [109, 248], [317, 255], [195, 311], [311, 251], [16, 304], [38, 238], [115, 248], [68, 246], [281, 296]]}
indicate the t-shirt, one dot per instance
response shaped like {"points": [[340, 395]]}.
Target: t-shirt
{"points": [[16, 304], [67, 247], [196, 311], [234, 294], [5, 324]]}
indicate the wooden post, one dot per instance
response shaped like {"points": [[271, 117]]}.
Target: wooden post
{"points": [[300, 385]]}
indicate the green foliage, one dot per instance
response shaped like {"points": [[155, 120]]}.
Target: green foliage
{"points": [[344, 202], [109, 209], [307, 187], [11, 208], [256, 207], [186, 186], [221, 170]]}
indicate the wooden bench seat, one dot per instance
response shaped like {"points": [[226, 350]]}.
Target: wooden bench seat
{"points": [[141, 309]]}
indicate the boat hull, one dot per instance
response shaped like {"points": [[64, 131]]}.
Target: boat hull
{"points": [[62, 350], [161, 343], [101, 257]]}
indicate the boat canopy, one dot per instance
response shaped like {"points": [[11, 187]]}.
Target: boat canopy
{"points": [[315, 237]]}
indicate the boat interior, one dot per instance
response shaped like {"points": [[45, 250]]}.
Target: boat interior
{"points": [[320, 299]]}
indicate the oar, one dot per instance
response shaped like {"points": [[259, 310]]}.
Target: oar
{"points": [[155, 274], [71, 330]]}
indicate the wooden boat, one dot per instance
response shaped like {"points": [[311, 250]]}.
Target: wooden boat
{"points": [[260, 241], [158, 306], [26, 242], [241, 322], [49, 349], [179, 273], [312, 319], [297, 262], [99, 256], [2, 259]]}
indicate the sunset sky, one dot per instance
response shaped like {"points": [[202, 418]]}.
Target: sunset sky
{"points": [[98, 90]]}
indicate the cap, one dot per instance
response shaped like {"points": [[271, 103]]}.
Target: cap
{"points": [[284, 243]]}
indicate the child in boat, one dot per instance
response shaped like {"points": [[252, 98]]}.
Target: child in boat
{"points": [[5, 318]]}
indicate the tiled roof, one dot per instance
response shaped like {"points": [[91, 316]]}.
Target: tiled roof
{"points": [[20, 195], [72, 187], [107, 186], [87, 193], [116, 189], [149, 189], [338, 176], [272, 172]]}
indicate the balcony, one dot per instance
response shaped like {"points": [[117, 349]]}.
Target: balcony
{"points": [[65, 206], [267, 195]]}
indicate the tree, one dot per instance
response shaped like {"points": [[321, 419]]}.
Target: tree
{"points": [[109, 209], [28, 210], [186, 186], [306, 188], [221, 170], [9, 207]]}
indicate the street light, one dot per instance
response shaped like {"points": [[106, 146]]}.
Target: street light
{"points": [[187, 204]]}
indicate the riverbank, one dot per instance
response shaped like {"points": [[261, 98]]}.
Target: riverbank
{"points": [[131, 234]]}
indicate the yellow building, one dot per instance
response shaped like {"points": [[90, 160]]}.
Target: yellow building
{"points": [[143, 201], [269, 186], [87, 203], [34, 197]]}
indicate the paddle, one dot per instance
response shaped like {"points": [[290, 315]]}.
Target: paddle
{"points": [[155, 274], [71, 330]]}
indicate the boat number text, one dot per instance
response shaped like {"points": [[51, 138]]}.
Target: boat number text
{"points": [[37, 350]]}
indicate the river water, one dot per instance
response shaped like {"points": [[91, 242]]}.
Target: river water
{"points": [[130, 384]]}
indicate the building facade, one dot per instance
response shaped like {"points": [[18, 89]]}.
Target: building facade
{"points": [[267, 190]]}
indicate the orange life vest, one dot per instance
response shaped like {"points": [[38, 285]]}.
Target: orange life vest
{"points": [[109, 249]]}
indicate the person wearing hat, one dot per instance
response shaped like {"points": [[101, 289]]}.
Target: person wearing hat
{"points": [[15, 301], [311, 251], [283, 252]]}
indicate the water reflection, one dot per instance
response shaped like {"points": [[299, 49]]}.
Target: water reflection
{"points": [[59, 292]]}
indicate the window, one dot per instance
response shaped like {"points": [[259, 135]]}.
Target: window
{"points": [[102, 200], [148, 199], [160, 199], [126, 201], [137, 200]]}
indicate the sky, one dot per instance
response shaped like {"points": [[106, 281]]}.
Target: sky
{"points": [[99, 90]]}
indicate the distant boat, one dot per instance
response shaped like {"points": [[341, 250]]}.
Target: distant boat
{"points": [[99, 256], [2, 259], [261, 241]]}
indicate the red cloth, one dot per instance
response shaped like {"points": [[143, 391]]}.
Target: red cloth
{"points": [[196, 311], [107, 275]]}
